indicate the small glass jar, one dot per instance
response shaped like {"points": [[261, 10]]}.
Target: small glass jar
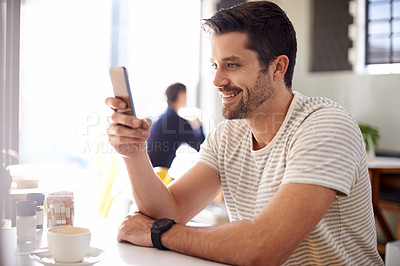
{"points": [[39, 198], [60, 209], [26, 221]]}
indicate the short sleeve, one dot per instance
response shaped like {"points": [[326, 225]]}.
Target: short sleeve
{"points": [[209, 149], [326, 150]]}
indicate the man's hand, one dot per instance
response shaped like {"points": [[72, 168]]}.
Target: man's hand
{"points": [[127, 134], [136, 230], [195, 123]]}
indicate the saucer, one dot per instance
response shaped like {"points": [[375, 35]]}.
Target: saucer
{"points": [[44, 256]]}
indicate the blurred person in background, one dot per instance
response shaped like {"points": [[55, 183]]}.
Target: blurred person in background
{"points": [[170, 131]]}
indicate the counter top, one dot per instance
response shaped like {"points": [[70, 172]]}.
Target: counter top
{"points": [[380, 162], [103, 237]]}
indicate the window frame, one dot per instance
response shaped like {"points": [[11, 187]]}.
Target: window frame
{"points": [[9, 73], [368, 22]]}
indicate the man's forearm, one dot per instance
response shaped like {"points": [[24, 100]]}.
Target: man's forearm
{"points": [[270, 238], [151, 196], [237, 243]]}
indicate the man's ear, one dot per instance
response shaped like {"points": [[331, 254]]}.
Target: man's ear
{"points": [[280, 66]]}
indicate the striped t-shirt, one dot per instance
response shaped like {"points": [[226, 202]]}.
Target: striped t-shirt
{"points": [[318, 143]]}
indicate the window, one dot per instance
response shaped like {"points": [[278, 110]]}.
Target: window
{"points": [[65, 59], [382, 32], [376, 36], [66, 50]]}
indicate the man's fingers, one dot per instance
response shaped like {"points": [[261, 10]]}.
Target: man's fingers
{"points": [[121, 235], [146, 124], [121, 131], [127, 120], [115, 103]]}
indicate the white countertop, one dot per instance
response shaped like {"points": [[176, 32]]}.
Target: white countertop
{"points": [[103, 237], [384, 162]]}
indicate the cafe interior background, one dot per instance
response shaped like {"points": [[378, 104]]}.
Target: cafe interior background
{"points": [[55, 57]]}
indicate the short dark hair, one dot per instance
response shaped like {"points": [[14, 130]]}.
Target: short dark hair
{"points": [[270, 32], [173, 90]]}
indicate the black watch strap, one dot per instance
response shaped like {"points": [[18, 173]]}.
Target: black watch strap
{"points": [[159, 227], [156, 240]]}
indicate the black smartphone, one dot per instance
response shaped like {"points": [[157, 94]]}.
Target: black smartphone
{"points": [[122, 90]]}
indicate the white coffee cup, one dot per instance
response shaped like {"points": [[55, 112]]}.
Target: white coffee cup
{"points": [[68, 243]]}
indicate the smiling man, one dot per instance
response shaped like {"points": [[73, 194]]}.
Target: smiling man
{"points": [[292, 168]]}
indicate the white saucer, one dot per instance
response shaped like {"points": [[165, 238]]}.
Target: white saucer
{"points": [[43, 256]]}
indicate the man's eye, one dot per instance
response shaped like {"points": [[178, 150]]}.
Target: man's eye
{"points": [[214, 66], [231, 65]]}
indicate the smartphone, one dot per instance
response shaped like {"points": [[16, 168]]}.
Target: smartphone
{"points": [[122, 90]]}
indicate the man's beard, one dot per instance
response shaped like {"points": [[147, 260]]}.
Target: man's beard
{"points": [[257, 96]]}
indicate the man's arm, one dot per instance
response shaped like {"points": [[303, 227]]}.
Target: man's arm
{"points": [[182, 200], [268, 239]]}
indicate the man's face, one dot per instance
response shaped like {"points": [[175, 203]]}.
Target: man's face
{"points": [[181, 100], [243, 87]]}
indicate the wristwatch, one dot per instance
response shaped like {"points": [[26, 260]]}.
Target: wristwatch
{"points": [[159, 227]]}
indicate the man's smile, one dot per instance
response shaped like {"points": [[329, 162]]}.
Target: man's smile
{"points": [[228, 96]]}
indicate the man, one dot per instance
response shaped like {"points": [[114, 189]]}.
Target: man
{"points": [[171, 130], [292, 169]]}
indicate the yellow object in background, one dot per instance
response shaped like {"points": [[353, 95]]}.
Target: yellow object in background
{"points": [[108, 190], [162, 173]]}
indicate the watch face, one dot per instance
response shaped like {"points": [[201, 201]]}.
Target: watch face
{"points": [[161, 223]]}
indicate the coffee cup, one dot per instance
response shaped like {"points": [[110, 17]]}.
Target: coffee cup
{"points": [[68, 244]]}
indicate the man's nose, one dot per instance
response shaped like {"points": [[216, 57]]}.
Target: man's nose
{"points": [[220, 78]]}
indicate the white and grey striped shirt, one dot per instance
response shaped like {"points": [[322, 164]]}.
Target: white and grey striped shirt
{"points": [[318, 143]]}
